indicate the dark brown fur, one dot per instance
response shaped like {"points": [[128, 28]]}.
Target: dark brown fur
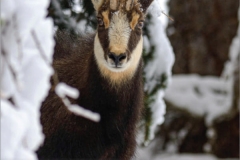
{"points": [[70, 136], [119, 104]]}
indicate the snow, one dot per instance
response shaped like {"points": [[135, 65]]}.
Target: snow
{"points": [[84, 113], [82, 27], [163, 59], [162, 62], [64, 91], [77, 7], [233, 63], [204, 96], [147, 153], [201, 96], [187, 157], [207, 147], [25, 74], [157, 8], [151, 153]]}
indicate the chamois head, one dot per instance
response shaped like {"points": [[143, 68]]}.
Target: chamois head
{"points": [[118, 42]]}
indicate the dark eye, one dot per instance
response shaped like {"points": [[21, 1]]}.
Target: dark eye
{"points": [[100, 21], [140, 24]]}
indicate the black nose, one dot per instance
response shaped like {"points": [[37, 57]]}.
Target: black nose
{"points": [[117, 58]]}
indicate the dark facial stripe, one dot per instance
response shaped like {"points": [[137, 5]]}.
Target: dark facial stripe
{"points": [[104, 40], [134, 39]]}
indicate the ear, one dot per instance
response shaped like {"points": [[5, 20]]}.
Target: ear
{"points": [[145, 4], [97, 4]]}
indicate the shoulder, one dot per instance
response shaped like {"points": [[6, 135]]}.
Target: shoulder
{"points": [[68, 44], [72, 54]]}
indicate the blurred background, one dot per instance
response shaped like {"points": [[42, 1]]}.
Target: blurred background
{"points": [[202, 114], [191, 75], [191, 106]]}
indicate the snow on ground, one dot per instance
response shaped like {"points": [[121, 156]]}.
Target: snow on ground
{"points": [[185, 157], [146, 153], [180, 157]]}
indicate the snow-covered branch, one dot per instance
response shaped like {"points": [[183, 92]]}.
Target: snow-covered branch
{"points": [[158, 70], [25, 75], [27, 45], [64, 91]]}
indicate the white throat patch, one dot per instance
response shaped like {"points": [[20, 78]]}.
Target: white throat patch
{"points": [[117, 75]]}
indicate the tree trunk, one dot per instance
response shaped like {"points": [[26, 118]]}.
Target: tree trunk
{"points": [[201, 34]]}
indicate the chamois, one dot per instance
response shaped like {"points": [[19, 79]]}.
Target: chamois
{"points": [[106, 68]]}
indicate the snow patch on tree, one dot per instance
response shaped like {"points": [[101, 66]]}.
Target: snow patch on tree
{"points": [[157, 8], [207, 96], [157, 71]]}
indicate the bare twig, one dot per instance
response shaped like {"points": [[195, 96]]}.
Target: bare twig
{"points": [[34, 35], [168, 16], [5, 55], [12, 71], [19, 42], [43, 55], [9, 65], [55, 79]]}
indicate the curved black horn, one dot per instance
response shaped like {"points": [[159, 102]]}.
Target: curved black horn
{"points": [[145, 4], [129, 4]]}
